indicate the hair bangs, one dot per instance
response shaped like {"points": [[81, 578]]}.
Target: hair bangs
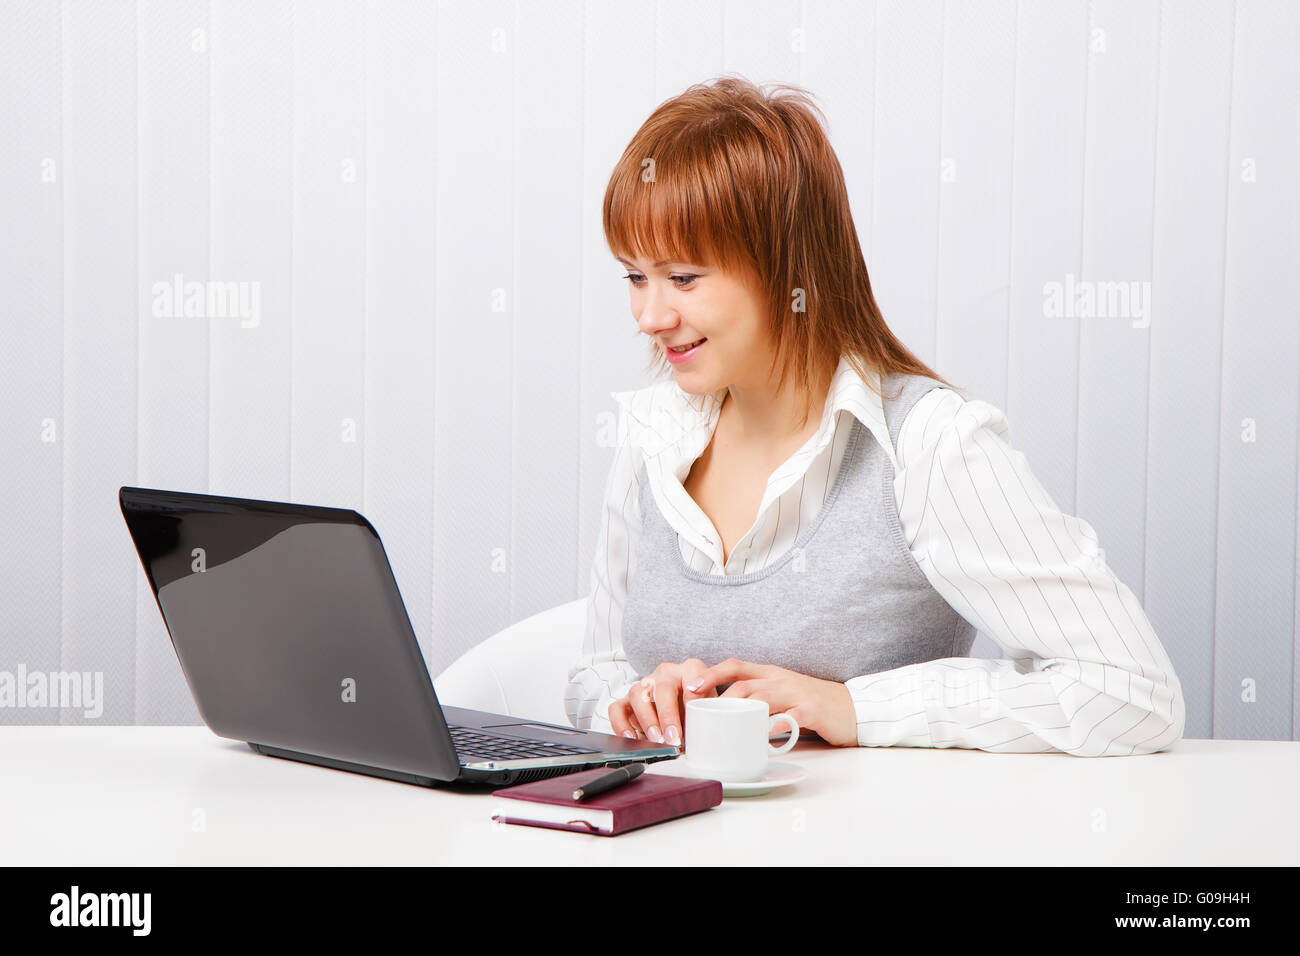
{"points": [[673, 202]]}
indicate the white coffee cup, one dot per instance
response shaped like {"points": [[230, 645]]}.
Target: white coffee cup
{"points": [[726, 737]]}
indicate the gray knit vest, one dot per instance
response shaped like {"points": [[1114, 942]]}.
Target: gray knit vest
{"points": [[847, 599]]}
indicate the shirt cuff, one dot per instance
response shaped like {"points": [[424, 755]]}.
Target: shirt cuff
{"points": [[891, 709]]}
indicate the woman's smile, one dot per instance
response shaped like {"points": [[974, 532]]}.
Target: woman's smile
{"points": [[686, 351]]}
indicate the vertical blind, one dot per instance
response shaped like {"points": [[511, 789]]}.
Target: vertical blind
{"points": [[350, 254]]}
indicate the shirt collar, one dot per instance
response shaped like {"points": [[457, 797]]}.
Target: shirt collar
{"points": [[662, 417]]}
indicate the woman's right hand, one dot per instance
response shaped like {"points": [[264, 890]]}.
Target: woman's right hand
{"points": [[656, 705]]}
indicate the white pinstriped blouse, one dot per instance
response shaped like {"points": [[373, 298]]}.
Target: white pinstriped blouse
{"points": [[1083, 671]]}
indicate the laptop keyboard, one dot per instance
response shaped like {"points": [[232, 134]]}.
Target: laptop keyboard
{"points": [[475, 743]]}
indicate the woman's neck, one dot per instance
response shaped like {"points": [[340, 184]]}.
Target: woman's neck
{"points": [[762, 417]]}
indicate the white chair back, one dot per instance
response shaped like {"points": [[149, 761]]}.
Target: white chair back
{"points": [[521, 671]]}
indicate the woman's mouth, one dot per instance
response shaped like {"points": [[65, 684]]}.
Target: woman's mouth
{"points": [[677, 356]]}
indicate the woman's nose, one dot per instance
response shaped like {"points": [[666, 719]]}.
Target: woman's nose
{"points": [[656, 314]]}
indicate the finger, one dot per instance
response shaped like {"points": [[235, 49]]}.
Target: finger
{"points": [[691, 669], [729, 670], [618, 719], [615, 721], [623, 708], [741, 688], [667, 691], [642, 697]]}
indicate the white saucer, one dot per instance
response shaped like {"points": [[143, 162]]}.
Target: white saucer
{"points": [[777, 775]]}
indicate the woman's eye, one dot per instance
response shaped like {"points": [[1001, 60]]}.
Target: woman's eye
{"points": [[682, 282]]}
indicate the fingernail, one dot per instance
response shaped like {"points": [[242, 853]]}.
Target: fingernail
{"points": [[631, 734], [653, 734], [672, 736], [694, 685]]}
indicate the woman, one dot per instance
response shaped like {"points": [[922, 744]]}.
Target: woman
{"points": [[807, 514]]}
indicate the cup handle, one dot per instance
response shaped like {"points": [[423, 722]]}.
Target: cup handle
{"points": [[794, 734]]}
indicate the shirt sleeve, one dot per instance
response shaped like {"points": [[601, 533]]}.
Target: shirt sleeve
{"points": [[602, 674], [1083, 672]]}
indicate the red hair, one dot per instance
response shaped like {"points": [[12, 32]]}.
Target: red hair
{"points": [[727, 175]]}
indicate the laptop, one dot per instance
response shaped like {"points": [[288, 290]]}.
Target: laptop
{"points": [[294, 639]]}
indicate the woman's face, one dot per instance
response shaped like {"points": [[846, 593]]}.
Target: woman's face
{"points": [[680, 303]]}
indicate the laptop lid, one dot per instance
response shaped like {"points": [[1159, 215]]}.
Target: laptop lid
{"points": [[290, 629]]}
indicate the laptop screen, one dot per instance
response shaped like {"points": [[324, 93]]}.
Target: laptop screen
{"points": [[290, 629]]}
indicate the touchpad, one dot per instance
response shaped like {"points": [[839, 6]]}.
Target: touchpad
{"points": [[550, 727]]}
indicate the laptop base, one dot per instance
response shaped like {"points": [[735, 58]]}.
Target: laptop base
{"points": [[496, 778]]}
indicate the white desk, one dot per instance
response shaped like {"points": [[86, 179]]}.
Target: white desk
{"points": [[128, 796]]}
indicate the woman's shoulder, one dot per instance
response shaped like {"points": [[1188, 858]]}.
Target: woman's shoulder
{"points": [[948, 417]]}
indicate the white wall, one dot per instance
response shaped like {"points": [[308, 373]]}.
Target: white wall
{"points": [[414, 188]]}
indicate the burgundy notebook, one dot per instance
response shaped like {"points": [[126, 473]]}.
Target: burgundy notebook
{"points": [[650, 798]]}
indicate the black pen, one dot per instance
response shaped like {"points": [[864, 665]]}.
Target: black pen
{"points": [[615, 778]]}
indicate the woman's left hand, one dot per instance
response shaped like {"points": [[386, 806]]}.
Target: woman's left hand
{"points": [[822, 706]]}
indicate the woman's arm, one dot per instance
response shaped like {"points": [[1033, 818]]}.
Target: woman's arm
{"points": [[1086, 673], [602, 675]]}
